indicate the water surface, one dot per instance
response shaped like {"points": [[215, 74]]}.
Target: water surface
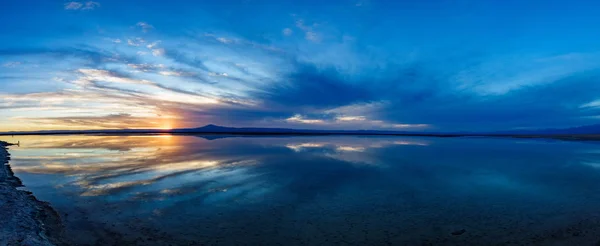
{"points": [[161, 189]]}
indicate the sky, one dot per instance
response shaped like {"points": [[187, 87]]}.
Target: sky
{"points": [[424, 65]]}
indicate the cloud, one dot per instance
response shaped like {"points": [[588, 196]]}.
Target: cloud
{"points": [[177, 73], [309, 86], [287, 32], [592, 104], [145, 67], [350, 118], [301, 119], [410, 125], [421, 95], [158, 52], [98, 91], [222, 40], [73, 5], [312, 36], [11, 64], [300, 24], [99, 88], [109, 76], [135, 42], [91, 5], [144, 26], [111, 121], [89, 55], [360, 108], [350, 149], [160, 69], [215, 74], [412, 97], [91, 77], [309, 33], [81, 5], [153, 44], [225, 40], [170, 73]]}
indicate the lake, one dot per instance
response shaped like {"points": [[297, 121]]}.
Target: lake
{"points": [[182, 190]]}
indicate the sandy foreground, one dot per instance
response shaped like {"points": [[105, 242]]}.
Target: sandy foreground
{"points": [[23, 219]]}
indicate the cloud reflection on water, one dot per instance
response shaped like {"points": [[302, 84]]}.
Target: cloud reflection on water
{"points": [[108, 165], [290, 182]]}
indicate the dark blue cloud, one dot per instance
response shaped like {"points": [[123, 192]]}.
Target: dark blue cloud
{"points": [[310, 87], [419, 95]]}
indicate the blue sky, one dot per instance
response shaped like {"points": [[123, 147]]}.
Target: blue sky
{"points": [[356, 64]]}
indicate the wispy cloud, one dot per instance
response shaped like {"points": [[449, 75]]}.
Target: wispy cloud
{"points": [[224, 40], [111, 121], [11, 64], [145, 67], [73, 5], [89, 5], [136, 41], [171, 73], [153, 44], [144, 26], [309, 33], [350, 118], [287, 31], [301, 119], [215, 74], [312, 36], [158, 52], [221, 39], [108, 76]]}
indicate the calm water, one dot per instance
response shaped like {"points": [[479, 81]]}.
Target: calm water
{"points": [[313, 190]]}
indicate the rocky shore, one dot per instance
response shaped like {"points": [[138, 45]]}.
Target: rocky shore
{"points": [[24, 220]]}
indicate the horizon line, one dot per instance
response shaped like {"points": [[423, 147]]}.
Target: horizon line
{"points": [[223, 130]]}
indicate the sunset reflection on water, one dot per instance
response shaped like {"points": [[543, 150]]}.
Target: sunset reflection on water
{"points": [[103, 165], [188, 189]]}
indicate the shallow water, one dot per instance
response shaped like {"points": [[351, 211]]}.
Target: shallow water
{"points": [[165, 189]]}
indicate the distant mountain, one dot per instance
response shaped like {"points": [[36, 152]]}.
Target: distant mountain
{"points": [[221, 129]]}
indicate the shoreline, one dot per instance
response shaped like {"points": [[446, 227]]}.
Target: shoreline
{"points": [[25, 220]]}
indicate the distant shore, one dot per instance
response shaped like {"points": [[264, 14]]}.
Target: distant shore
{"points": [[24, 220], [572, 137], [581, 133]]}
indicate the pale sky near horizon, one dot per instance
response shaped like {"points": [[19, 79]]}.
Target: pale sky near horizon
{"points": [[352, 64]]}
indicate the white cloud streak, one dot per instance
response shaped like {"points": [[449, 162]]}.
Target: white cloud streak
{"points": [[158, 52], [300, 119], [81, 5], [144, 26], [287, 32]]}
